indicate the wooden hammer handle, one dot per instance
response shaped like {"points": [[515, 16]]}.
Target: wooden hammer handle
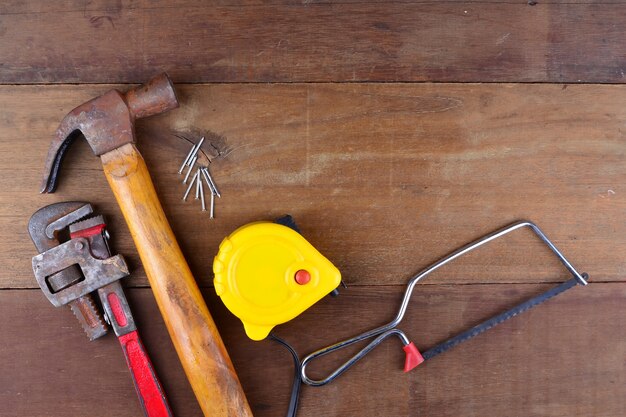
{"points": [[195, 336]]}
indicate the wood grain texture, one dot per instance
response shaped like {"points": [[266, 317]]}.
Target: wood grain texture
{"points": [[383, 179], [288, 41], [189, 323], [565, 357]]}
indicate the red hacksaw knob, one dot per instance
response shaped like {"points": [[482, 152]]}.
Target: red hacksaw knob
{"points": [[413, 357]]}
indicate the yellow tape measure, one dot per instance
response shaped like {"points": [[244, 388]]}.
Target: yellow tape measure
{"points": [[267, 274]]}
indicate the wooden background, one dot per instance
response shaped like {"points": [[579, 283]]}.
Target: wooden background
{"points": [[393, 132]]}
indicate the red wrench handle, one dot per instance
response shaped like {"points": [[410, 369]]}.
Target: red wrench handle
{"points": [[147, 383]]}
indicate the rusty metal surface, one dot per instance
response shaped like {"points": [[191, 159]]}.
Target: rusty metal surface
{"points": [[99, 246], [107, 122], [44, 227], [89, 317], [57, 266], [45, 223], [152, 98], [97, 272], [57, 225]]}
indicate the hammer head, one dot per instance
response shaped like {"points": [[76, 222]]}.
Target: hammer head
{"points": [[107, 122]]}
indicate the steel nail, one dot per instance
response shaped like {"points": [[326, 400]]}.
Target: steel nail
{"points": [[210, 178], [208, 181], [193, 161], [190, 185], [202, 194], [198, 184], [212, 212], [208, 184], [195, 152], [180, 171]]}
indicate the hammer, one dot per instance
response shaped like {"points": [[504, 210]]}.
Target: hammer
{"points": [[107, 123]]}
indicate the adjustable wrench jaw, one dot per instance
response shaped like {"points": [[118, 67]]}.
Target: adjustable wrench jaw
{"points": [[44, 228], [46, 223]]}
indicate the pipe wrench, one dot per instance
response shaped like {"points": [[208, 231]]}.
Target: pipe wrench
{"points": [[69, 272]]}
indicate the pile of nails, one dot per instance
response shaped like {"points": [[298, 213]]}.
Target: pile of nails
{"points": [[201, 173]]}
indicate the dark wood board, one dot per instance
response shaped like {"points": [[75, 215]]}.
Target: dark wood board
{"points": [[393, 132], [565, 357], [286, 41], [383, 179]]}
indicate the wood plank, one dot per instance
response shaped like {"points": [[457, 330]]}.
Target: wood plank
{"points": [[562, 358], [37, 6], [383, 179], [46, 42]]}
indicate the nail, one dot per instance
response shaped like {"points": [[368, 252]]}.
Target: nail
{"points": [[202, 195], [208, 181], [180, 171], [198, 184], [212, 212], [190, 185], [195, 152], [193, 161], [207, 173]]}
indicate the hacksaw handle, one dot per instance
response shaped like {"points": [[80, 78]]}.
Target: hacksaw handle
{"points": [[191, 327], [146, 382]]}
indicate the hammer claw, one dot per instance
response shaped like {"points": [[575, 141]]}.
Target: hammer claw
{"points": [[56, 153], [107, 122]]}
